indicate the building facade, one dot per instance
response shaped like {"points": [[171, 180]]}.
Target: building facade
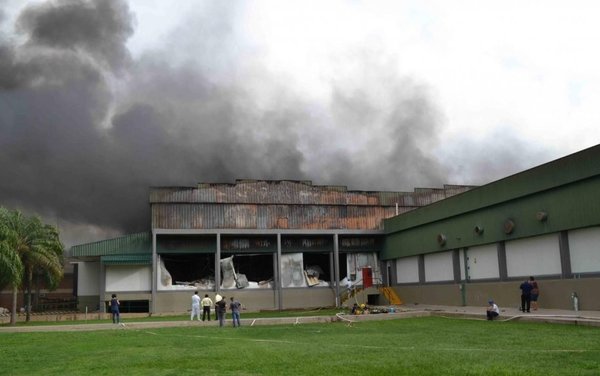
{"points": [[272, 244], [290, 244], [481, 244]]}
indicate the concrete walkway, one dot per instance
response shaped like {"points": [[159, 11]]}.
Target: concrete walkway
{"points": [[506, 314], [590, 318]]}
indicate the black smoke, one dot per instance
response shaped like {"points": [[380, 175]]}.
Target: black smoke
{"points": [[86, 128]]}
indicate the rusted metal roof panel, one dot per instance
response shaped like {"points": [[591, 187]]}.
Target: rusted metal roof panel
{"points": [[265, 204], [293, 193], [220, 216]]}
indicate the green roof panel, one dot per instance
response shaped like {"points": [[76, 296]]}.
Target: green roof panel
{"points": [[140, 243], [126, 259]]}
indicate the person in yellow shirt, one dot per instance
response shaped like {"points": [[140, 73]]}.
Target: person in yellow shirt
{"points": [[206, 304]]}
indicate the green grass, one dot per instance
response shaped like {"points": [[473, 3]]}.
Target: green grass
{"points": [[417, 346]]}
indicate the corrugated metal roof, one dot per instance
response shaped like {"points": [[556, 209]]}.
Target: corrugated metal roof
{"points": [[139, 259], [286, 192], [267, 204], [247, 216], [129, 244]]}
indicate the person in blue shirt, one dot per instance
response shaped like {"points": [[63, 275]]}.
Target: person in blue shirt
{"points": [[235, 308], [526, 288]]}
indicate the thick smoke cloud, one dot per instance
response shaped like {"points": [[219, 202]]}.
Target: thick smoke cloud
{"points": [[86, 128]]}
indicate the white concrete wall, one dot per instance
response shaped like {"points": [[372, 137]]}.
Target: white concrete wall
{"points": [[88, 278], [128, 278], [482, 262], [407, 269], [535, 256], [584, 245], [439, 267]]}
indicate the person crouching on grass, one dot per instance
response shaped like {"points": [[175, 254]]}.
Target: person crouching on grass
{"points": [[492, 310]]}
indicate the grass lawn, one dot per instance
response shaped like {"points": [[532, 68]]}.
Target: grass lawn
{"points": [[416, 346]]}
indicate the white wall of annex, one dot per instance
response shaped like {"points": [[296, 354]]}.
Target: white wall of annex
{"points": [[128, 278], [584, 246], [439, 267], [88, 278], [482, 262], [535, 256], [407, 269]]}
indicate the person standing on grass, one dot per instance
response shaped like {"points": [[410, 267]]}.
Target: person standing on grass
{"points": [[206, 304], [349, 287], [221, 308], [217, 299], [526, 288], [114, 309], [195, 306], [535, 293], [235, 307], [492, 310]]}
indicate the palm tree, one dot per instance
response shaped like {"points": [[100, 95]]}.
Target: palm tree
{"points": [[38, 248], [11, 266], [42, 256]]}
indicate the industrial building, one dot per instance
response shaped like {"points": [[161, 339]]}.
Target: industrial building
{"points": [[543, 222], [292, 244], [274, 244]]}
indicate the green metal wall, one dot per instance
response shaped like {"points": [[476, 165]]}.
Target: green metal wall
{"points": [[568, 190]]}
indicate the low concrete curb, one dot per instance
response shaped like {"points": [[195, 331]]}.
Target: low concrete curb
{"points": [[591, 318]]}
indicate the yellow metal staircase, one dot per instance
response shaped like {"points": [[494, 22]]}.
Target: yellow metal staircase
{"points": [[390, 295]]}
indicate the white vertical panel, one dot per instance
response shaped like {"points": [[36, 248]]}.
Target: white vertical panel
{"points": [[482, 262], [439, 267], [88, 274], [128, 278], [407, 269], [584, 246], [539, 255]]}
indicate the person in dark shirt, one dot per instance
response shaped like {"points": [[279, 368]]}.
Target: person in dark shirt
{"points": [[221, 308], [235, 308], [114, 308], [526, 288]]}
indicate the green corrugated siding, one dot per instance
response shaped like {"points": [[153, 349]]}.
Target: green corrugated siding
{"points": [[129, 244], [127, 259], [568, 170], [572, 202]]}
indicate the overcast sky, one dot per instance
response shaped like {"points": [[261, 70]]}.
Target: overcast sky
{"points": [[101, 99]]}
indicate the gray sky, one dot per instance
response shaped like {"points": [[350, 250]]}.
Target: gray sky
{"points": [[101, 99]]}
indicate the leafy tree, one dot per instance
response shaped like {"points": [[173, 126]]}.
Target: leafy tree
{"points": [[29, 248]]}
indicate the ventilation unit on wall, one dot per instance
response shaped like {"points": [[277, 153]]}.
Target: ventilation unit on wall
{"points": [[509, 226], [441, 239], [541, 216]]}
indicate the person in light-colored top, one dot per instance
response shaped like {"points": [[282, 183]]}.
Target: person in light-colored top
{"points": [[195, 306], [206, 304], [492, 310]]}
